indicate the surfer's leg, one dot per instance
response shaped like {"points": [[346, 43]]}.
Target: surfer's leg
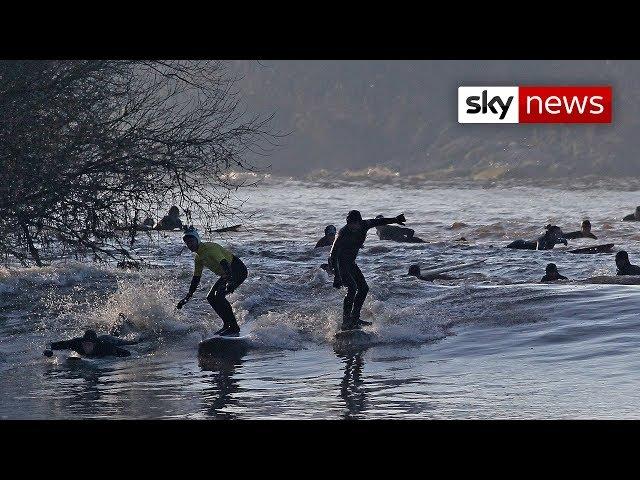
{"points": [[220, 304], [361, 294], [352, 287]]}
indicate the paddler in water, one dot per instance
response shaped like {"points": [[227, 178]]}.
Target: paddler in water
{"points": [[342, 258], [397, 234], [329, 237], [624, 265], [633, 217], [93, 346], [546, 241], [414, 271], [552, 274], [584, 232], [232, 272], [171, 220]]}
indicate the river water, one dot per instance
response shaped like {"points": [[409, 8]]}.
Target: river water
{"points": [[492, 343]]}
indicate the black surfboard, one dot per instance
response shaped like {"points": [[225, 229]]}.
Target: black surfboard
{"points": [[606, 248]]}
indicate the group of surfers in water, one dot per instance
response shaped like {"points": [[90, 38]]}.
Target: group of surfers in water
{"points": [[345, 245]]}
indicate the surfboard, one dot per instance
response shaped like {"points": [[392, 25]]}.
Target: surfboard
{"points": [[450, 268], [221, 344], [232, 228], [606, 248], [356, 338]]}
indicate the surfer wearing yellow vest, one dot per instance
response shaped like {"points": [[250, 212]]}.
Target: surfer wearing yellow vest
{"points": [[222, 262]]}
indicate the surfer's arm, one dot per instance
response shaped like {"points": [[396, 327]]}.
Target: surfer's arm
{"points": [[195, 281], [376, 222]]}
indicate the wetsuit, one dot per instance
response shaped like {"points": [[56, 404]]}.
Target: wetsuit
{"points": [[544, 242], [343, 255], [630, 218], [105, 346], [230, 268], [579, 234], [552, 277], [629, 269], [397, 234], [325, 241], [169, 222]]}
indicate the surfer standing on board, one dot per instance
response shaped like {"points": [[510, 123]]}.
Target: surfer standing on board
{"points": [[343, 260], [232, 272]]}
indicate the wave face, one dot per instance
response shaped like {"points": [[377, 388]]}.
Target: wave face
{"points": [[490, 343]]}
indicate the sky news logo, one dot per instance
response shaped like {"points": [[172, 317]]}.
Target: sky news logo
{"points": [[545, 104]]}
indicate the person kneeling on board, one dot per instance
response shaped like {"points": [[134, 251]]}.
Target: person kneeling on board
{"points": [[552, 274], [93, 346], [414, 271], [232, 272], [624, 265], [584, 232]]}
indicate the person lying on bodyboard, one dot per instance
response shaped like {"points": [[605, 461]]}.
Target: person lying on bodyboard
{"points": [[232, 272], [342, 258], [546, 241], [93, 346]]}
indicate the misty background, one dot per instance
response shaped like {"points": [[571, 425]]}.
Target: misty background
{"points": [[400, 116]]}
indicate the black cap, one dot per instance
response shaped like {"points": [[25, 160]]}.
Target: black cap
{"points": [[551, 267]]}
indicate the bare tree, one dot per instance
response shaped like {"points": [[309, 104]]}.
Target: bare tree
{"points": [[87, 145]]}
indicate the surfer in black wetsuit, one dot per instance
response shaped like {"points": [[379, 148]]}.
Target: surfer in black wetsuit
{"points": [[624, 265], [93, 346], [342, 258], [329, 237], [546, 241], [633, 217], [414, 270], [397, 234], [584, 232], [552, 274]]}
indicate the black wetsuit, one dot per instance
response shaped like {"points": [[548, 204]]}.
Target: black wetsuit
{"points": [[629, 269], [579, 234], [325, 241], [397, 234], [544, 242], [343, 259], [630, 218], [553, 277], [105, 346], [216, 296]]}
